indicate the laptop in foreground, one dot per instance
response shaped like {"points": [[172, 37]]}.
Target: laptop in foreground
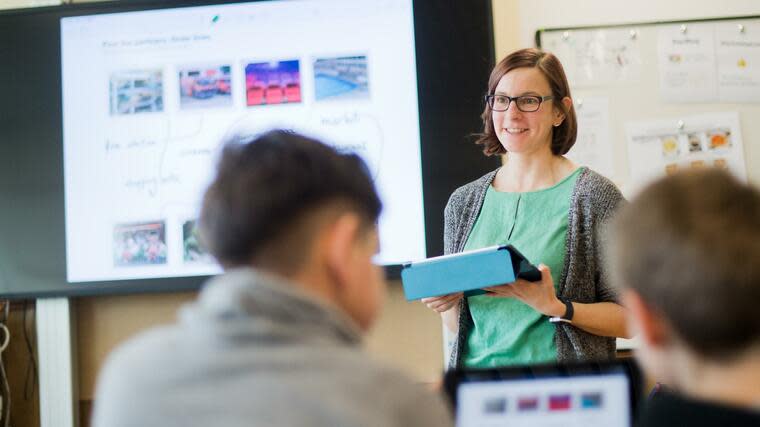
{"points": [[583, 394]]}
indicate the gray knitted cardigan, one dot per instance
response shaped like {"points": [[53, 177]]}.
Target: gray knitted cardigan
{"points": [[583, 279]]}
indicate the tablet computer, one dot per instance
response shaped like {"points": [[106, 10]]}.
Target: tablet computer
{"points": [[468, 271], [570, 395]]}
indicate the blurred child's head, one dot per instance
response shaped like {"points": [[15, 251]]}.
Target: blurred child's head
{"points": [[686, 253], [293, 206]]}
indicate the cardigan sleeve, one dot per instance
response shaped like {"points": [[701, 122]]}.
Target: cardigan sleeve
{"points": [[606, 200], [451, 215]]}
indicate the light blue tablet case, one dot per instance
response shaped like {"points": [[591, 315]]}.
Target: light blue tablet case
{"points": [[465, 271]]}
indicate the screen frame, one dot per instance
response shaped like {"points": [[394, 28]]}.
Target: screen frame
{"points": [[448, 119]]}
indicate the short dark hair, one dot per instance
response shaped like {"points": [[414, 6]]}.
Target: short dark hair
{"points": [[264, 186], [689, 245], [564, 135]]}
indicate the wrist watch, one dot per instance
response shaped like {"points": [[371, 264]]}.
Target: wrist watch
{"points": [[569, 311]]}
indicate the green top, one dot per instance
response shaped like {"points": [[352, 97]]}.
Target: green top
{"points": [[506, 331]]}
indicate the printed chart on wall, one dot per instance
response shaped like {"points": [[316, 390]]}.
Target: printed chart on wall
{"points": [[661, 147], [716, 62], [685, 109], [145, 119], [593, 145]]}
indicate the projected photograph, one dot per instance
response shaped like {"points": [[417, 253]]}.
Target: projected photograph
{"points": [[191, 244], [343, 78], [277, 82], [138, 91], [205, 87], [139, 243]]}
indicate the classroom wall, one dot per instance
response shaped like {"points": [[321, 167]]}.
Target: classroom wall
{"points": [[506, 26]]}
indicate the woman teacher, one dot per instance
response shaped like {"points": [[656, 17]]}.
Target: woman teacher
{"points": [[549, 208]]}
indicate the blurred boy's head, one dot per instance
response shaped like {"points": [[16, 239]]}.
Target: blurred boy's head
{"points": [[293, 206], [686, 252]]}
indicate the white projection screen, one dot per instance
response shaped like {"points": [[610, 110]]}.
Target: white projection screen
{"points": [[163, 90]]}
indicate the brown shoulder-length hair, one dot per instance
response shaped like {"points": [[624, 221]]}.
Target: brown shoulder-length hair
{"points": [[563, 137]]}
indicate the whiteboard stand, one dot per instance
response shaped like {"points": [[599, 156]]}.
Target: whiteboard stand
{"points": [[59, 388]]}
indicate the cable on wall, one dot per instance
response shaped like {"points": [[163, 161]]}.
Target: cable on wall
{"points": [[30, 382], [5, 411]]}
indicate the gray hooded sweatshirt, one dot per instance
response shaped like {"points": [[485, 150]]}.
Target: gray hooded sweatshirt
{"points": [[254, 351]]}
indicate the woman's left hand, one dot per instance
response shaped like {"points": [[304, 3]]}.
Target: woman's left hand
{"points": [[539, 295]]}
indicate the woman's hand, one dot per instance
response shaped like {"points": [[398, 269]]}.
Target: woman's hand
{"points": [[539, 295], [443, 303]]}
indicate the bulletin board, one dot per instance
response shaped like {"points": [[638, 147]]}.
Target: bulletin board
{"points": [[654, 98]]}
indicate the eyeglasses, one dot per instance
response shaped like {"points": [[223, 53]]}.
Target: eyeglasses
{"points": [[525, 103]]}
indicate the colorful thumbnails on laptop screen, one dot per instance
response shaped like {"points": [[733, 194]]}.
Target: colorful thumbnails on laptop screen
{"points": [[582, 401]]}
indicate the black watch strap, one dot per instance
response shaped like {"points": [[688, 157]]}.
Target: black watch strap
{"points": [[569, 312]]}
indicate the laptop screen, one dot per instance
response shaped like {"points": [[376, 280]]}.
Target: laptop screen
{"points": [[546, 396]]}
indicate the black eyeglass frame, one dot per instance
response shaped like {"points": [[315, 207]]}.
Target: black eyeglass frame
{"points": [[490, 100]]}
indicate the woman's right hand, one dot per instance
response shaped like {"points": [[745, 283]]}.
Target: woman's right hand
{"points": [[443, 303]]}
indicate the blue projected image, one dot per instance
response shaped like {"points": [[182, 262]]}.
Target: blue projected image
{"points": [[341, 78]]}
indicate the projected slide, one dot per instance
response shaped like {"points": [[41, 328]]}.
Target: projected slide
{"points": [[150, 97]]}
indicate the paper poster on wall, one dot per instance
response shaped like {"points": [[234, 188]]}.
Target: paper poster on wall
{"points": [[621, 56], [687, 63], [599, 57], [738, 54], [661, 147], [593, 146]]}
